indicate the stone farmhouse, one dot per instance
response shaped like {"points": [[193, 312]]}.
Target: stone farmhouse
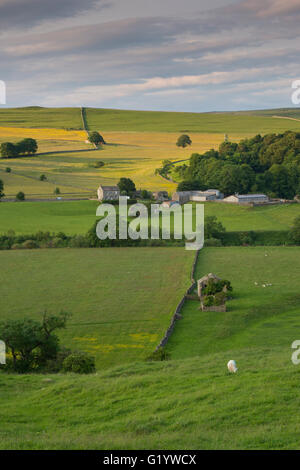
{"points": [[108, 193], [247, 199]]}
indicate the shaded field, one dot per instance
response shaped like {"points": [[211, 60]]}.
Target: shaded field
{"points": [[121, 300], [77, 217], [257, 317]]}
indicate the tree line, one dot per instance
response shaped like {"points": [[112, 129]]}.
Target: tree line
{"points": [[268, 164], [26, 146]]}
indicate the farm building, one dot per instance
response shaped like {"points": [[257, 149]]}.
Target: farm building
{"points": [[170, 203], [161, 196], [108, 193], [247, 199], [197, 196], [182, 196]]}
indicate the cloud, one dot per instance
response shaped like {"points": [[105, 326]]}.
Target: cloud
{"points": [[269, 8], [148, 61], [25, 13]]}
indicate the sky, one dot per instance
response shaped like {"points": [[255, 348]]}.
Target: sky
{"points": [[169, 55]]}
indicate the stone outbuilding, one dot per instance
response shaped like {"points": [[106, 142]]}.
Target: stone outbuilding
{"points": [[108, 193], [218, 304], [203, 282]]}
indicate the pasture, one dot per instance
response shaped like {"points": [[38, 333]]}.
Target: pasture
{"points": [[242, 123], [121, 300], [77, 217], [36, 116], [258, 317]]}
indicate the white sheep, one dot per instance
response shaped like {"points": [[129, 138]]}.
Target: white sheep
{"points": [[232, 366]]}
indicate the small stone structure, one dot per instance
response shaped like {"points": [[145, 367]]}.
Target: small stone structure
{"points": [[203, 282], [108, 193], [201, 285]]}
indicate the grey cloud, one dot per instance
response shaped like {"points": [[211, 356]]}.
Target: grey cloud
{"points": [[25, 13], [140, 58]]}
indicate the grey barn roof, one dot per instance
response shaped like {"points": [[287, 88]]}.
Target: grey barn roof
{"points": [[241, 196]]}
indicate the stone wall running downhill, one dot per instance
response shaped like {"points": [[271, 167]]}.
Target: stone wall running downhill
{"points": [[177, 315], [85, 125]]}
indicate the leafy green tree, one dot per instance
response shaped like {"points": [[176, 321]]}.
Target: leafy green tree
{"points": [[43, 177], [281, 181], [7, 169], [213, 227], [31, 342], [188, 186], [56, 191], [8, 150], [96, 138], [27, 146], [183, 141], [20, 196], [126, 186]]}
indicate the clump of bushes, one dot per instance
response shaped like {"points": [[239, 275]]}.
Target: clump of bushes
{"points": [[79, 363], [213, 242], [159, 355], [214, 287], [216, 292], [98, 164]]}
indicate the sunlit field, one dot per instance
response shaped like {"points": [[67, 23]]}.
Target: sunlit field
{"points": [[131, 154]]}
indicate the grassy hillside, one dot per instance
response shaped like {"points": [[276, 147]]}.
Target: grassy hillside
{"points": [[77, 217], [258, 121], [67, 161], [121, 299], [155, 121], [35, 116], [187, 404], [257, 317]]}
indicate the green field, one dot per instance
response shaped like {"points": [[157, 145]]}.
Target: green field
{"points": [[36, 116], [155, 121], [243, 122], [77, 217], [257, 317], [189, 402], [121, 299]]}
